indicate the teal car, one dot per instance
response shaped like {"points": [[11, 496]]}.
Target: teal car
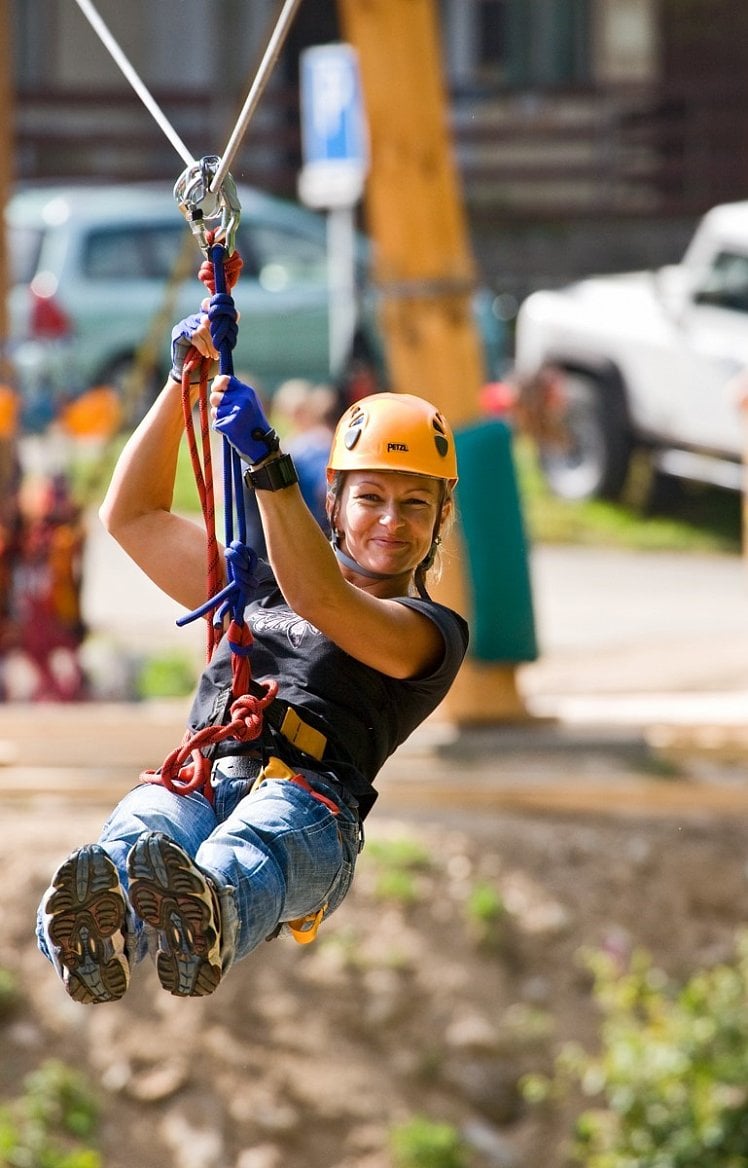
{"points": [[99, 274]]}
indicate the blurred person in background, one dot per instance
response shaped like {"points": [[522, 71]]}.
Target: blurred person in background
{"points": [[304, 415]]}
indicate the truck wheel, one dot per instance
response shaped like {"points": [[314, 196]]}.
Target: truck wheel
{"points": [[589, 453]]}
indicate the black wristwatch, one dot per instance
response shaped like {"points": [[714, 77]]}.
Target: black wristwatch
{"points": [[273, 475]]}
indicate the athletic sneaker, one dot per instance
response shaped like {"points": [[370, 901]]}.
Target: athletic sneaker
{"points": [[171, 894], [85, 925]]}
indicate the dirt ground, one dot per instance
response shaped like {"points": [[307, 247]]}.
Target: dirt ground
{"points": [[412, 1001]]}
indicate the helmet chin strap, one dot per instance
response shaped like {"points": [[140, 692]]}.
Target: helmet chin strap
{"points": [[348, 562]]}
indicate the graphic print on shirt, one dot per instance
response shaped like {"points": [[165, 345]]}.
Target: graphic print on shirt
{"points": [[283, 621]]}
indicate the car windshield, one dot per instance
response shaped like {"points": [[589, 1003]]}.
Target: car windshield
{"points": [[24, 246], [134, 252], [726, 284]]}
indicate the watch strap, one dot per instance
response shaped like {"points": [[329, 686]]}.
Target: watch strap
{"points": [[273, 475]]}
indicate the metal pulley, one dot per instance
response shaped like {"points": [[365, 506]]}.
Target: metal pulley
{"points": [[200, 203]]}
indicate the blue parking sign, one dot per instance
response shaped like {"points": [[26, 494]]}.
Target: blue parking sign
{"points": [[333, 127]]}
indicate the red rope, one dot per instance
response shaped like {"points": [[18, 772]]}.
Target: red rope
{"points": [[187, 769], [202, 466], [202, 460]]}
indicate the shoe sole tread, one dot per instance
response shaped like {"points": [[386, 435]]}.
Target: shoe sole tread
{"points": [[87, 910], [171, 895]]}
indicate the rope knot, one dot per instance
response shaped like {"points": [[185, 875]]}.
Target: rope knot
{"points": [[183, 771], [242, 562], [247, 714], [222, 318]]}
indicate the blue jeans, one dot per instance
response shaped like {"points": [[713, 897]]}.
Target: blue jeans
{"points": [[275, 854]]}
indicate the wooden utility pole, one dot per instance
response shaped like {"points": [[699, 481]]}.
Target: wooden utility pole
{"points": [[424, 264]]}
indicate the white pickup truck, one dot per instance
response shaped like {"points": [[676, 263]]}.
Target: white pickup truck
{"points": [[654, 361]]}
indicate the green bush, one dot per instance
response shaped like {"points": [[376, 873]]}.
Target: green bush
{"points": [[421, 1143], [171, 675], [486, 913], [10, 993], [398, 863], [698, 519], [50, 1124], [672, 1074]]}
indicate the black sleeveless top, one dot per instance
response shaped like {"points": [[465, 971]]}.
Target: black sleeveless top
{"points": [[364, 714]]}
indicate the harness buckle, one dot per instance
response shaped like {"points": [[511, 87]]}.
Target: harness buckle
{"points": [[304, 929], [198, 203]]}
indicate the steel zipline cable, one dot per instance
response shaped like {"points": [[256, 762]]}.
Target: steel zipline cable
{"points": [[270, 56], [145, 96], [272, 52]]}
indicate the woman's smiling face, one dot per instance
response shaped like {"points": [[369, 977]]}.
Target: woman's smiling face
{"points": [[386, 519]]}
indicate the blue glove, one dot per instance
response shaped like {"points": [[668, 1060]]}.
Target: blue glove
{"points": [[241, 420], [181, 342]]}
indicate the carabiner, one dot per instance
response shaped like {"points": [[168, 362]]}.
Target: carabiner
{"points": [[199, 203]]}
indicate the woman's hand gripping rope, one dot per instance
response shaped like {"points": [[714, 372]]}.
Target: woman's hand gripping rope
{"points": [[191, 340], [240, 418]]}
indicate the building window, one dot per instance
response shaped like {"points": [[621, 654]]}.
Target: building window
{"points": [[492, 45], [491, 39], [548, 42]]}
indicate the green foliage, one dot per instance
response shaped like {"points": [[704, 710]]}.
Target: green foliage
{"points": [[485, 904], [486, 912], [421, 1143], [696, 518], [403, 852], [171, 675], [672, 1074], [398, 863], [48, 1126], [10, 993]]}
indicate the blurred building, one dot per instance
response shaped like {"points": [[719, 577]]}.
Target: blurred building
{"points": [[590, 133]]}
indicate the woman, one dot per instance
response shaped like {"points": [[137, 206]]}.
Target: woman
{"points": [[361, 655]]}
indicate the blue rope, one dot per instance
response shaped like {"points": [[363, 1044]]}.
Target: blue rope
{"points": [[241, 561]]}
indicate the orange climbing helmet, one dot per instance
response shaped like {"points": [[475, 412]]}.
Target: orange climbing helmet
{"points": [[394, 431]]}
